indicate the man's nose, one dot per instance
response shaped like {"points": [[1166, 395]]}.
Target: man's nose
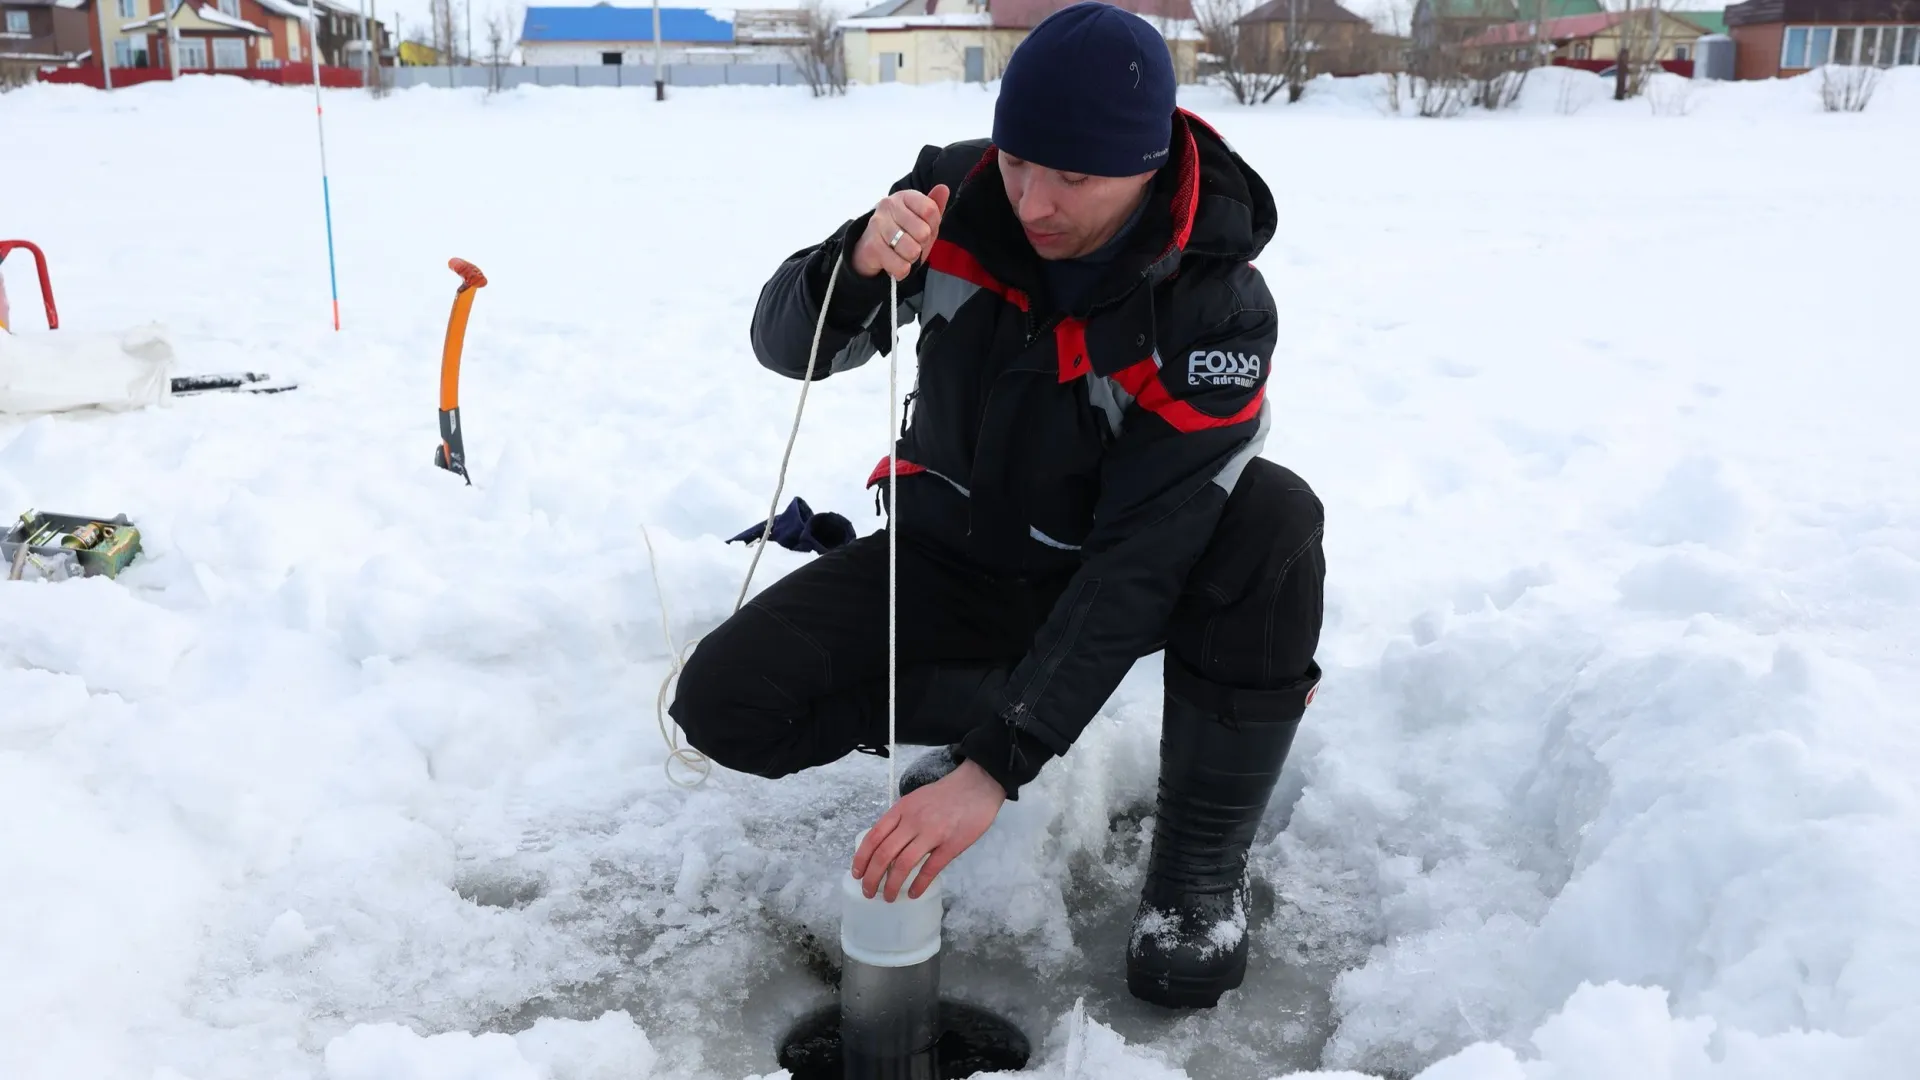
{"points": [[1035, 205]]}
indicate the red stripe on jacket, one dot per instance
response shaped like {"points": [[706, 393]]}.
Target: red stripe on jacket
{"points": [[1070, 342], [950, 258], [1142, 380]]}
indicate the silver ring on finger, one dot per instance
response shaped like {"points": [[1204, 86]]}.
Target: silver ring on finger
{"points": [[894, 241]]}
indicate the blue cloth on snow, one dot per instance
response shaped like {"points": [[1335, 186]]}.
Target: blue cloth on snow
{"points": [[798, 528]]}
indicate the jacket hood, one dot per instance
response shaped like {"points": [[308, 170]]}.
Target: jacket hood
{"points": [[1233, 214]]}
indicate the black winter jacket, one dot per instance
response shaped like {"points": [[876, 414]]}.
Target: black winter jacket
{"points": [[1099, 443]]}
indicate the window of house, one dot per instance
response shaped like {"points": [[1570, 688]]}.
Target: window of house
{"points": [[1581, 50], [127, 9], [1909, 46], [193, 53], [18, 22], [1820, 47], [1889, 39], [1794, 54], [123, 53], [1680, 52], [610, 59], [230, 7], [1869, 39], [229, 53], [1844, 40]]}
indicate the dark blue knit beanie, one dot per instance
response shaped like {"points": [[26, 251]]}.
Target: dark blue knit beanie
{"points": [[1089, 91]]}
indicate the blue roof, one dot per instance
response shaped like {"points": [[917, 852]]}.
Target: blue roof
{"points": [[605, 23]]}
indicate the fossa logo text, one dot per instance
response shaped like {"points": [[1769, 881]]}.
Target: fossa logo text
{"points": [[1216, 368]]}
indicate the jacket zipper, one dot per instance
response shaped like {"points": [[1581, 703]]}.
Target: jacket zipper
{"points": [[1034, 331]]}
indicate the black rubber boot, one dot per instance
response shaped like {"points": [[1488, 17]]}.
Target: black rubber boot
{"points": [[950, 705], [1221, 751]]}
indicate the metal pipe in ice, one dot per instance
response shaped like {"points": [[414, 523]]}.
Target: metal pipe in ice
{"points": [[890, 982]]}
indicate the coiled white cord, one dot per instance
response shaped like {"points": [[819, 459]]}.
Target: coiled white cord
{"points": [[677, 657]]}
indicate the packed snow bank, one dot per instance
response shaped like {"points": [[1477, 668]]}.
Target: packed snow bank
{"points": [[355, 772], [609, 1048]]}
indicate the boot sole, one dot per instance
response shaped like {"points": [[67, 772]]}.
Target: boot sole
{"points": [[1174, 991]]}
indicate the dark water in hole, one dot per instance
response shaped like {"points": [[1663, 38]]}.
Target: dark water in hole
{"points": [[971, 1041]]}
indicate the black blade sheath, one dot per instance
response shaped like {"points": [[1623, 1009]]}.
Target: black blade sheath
{"points": [[246, 382], [451, 454]]}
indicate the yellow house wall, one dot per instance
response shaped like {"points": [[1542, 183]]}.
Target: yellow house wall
{"points": [[1606, 46], [857, 57], [926, 56], [110, 20], [938, 54]]}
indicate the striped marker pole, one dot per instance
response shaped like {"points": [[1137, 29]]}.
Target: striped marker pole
{"points": [[326, 191]]}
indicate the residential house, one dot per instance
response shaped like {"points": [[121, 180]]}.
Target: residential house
{"points": [[36, 32], [210, 35], [1713, 22], [342, 41], [784, 29], [603, 34], [1783, 38], [924, 41], [1331, 38], [1444, 23], [932, 41], [1599, 37], [121, 48]]}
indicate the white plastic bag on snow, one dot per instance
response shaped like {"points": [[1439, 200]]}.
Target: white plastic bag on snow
{"points": [[59, 370]]}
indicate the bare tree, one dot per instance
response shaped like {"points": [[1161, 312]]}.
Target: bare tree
{"points": [[443, 26], [1497, 84], [13, 76], [1447, 72], [1392, 66], [818, 54], [1846, 83], [1244, 56], [1847, 87], [1643, 37], [500, 42]]}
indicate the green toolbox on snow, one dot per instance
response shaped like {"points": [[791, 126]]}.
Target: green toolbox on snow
{"points": [[68, 545]]}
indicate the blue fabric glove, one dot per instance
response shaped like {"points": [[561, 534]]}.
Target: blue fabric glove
{"points": [[798, 528]]}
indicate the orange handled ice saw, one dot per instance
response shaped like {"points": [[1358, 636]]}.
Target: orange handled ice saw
{"points": [[451, 454]]}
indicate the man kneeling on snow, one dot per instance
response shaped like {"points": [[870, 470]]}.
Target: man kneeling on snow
{"points": [[1079, 488]]}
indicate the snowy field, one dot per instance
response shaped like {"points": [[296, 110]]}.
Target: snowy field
{"points": [[355, 774]]}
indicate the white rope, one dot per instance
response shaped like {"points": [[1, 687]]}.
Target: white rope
{"points": [[677, 661], [893, 537], [793, 436], [677, 657]]}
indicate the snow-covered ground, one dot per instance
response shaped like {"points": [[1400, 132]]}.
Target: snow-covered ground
{"points": [[355, 775]]}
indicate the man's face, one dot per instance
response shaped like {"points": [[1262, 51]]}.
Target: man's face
{"points": [[1067, 215]]}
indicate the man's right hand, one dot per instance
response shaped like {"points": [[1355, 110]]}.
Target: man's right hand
{"points": [[914, 217]]}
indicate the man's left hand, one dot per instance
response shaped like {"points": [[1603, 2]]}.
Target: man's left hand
{"points": [[940, 820]]}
